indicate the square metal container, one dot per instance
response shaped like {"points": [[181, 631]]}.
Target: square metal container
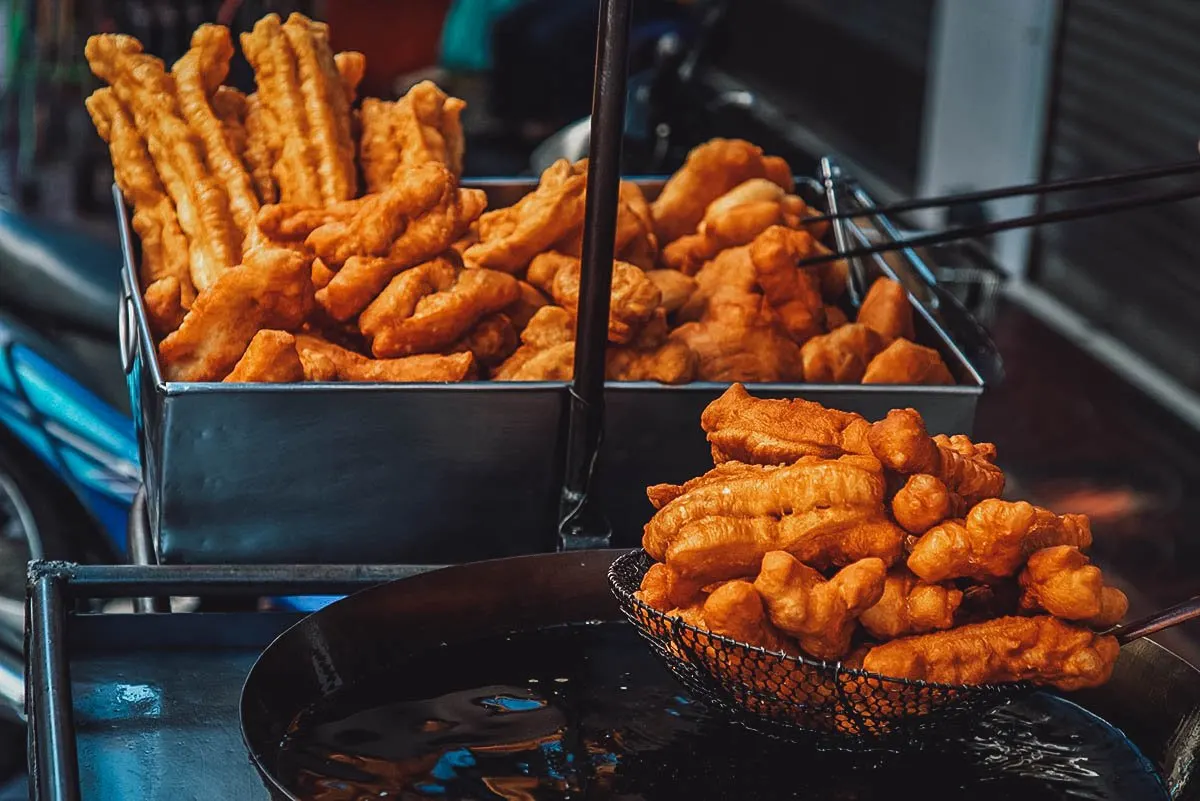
{"points": [[430, 473]]}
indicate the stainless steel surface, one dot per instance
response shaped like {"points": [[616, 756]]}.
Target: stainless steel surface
{"points": [[831, 182], [391, 473]]}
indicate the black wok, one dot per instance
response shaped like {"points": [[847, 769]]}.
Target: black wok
{"points": [[1154, 697]]}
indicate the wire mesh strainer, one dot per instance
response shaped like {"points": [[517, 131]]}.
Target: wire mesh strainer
{"points": [[797, 697]]}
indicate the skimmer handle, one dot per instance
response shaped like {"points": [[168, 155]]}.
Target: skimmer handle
{"points": [[1156, 622]]}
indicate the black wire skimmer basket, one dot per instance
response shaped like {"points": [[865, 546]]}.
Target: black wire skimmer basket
{"points": [[796, 697]]}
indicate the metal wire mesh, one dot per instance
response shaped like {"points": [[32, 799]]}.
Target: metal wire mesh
{"points": [[796, 697]]}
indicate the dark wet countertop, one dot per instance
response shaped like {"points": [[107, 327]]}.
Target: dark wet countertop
{"points": [[1076, 437]]}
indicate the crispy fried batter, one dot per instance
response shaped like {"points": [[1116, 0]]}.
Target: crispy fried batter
{"points": [[491, 341], [794, 293], [290, 222], [746, 429], [1043, 650], [994, 541], [730, 277], [147, 92], [351, 66], [510, 238], [711, 170], [905, 362], [822, 511], [431, 306], [841, 356], [260, 153], [901, 442], [651, 356], [272, 288], [197, 75], [820, 614], [270, 358], [319, 355], [1062, 581], [422, 126], [910, 606], [835, 318], [735, 610], [675, 288], [522, 310], [664, 589], [923, 502], [739, 339], [547, 352], [886, 311], [632, 302], [164, 271]]}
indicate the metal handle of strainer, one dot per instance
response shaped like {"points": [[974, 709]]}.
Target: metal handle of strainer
{"points": [[1156, 622]]}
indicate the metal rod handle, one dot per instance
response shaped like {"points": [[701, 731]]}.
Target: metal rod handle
{"points": [[1156, 622]]}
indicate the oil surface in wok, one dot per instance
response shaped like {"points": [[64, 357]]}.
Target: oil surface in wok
{"points": [[586, 712]]}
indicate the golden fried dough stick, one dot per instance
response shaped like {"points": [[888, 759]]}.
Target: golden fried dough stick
{"points": [[902, 443], [491, 341], [521, 311], [319, 356], [664, 589], [291, 222], [1043, 650], [820, 614], [905, 362], [662, 494], [923, 502], [994, 541], [634, 231], [835, 318], [711, 170], [841, 356], [230, 107], [886, 311], [822, 511], [422, 313], [422, 126], [321, 274], [651, 356], [272, 288], [675, 288], [743, 428], [729, 276], [164, 273], [739, 339], [632, 302], [147, 92], [735, 610], [510, 238], [260, 153], [351, 66], [270, 358], [1062, 581], [910, 606], [795, 294], [198, 74]]}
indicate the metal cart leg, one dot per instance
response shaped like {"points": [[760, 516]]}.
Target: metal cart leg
{"points": [[141, 550]]}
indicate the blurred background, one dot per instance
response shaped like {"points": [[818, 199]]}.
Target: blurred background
{"points": [[915, 97]]}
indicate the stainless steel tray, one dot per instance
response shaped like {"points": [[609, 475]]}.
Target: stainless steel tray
{"points": [[418, 473]]}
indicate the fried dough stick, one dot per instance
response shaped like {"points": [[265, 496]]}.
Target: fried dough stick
{"points": [[351, 66], [994, 541], [511, 237], [270, 358], [743, 428], [325, 361], [664, 589], [841, 356], [431, 306], [164, 273], [422, 126], [739, 339], [272, 288], [905, 362], [820, 614], [198, 74], [492, 340], [886, 311], [1062, 581], [910, 606], [711, 170], [923, 502], [147, 92], [675, 287], [1044, 650], [632, 303], [822, 511], [305, 109], [902, 443], [261, 153], [735, 610], [794, 293]]}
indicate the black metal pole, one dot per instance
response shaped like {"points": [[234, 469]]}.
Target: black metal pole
{"points": [[585, 422], [48, 694], [141, 551]]}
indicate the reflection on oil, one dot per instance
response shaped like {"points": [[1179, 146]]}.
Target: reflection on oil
{"points": [[585, 712]]}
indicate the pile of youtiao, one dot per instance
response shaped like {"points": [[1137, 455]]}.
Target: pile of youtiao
{"points": [[300, 233], [820, 533]]}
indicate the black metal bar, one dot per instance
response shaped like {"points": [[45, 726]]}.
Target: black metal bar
{"points": [[48, 694], [128, 581], [984, 229], [1156, 622], [1017, 190], [585, 421], [141, 551]]}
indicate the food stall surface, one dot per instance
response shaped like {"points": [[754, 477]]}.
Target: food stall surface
{"points": [[156, 697]]}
